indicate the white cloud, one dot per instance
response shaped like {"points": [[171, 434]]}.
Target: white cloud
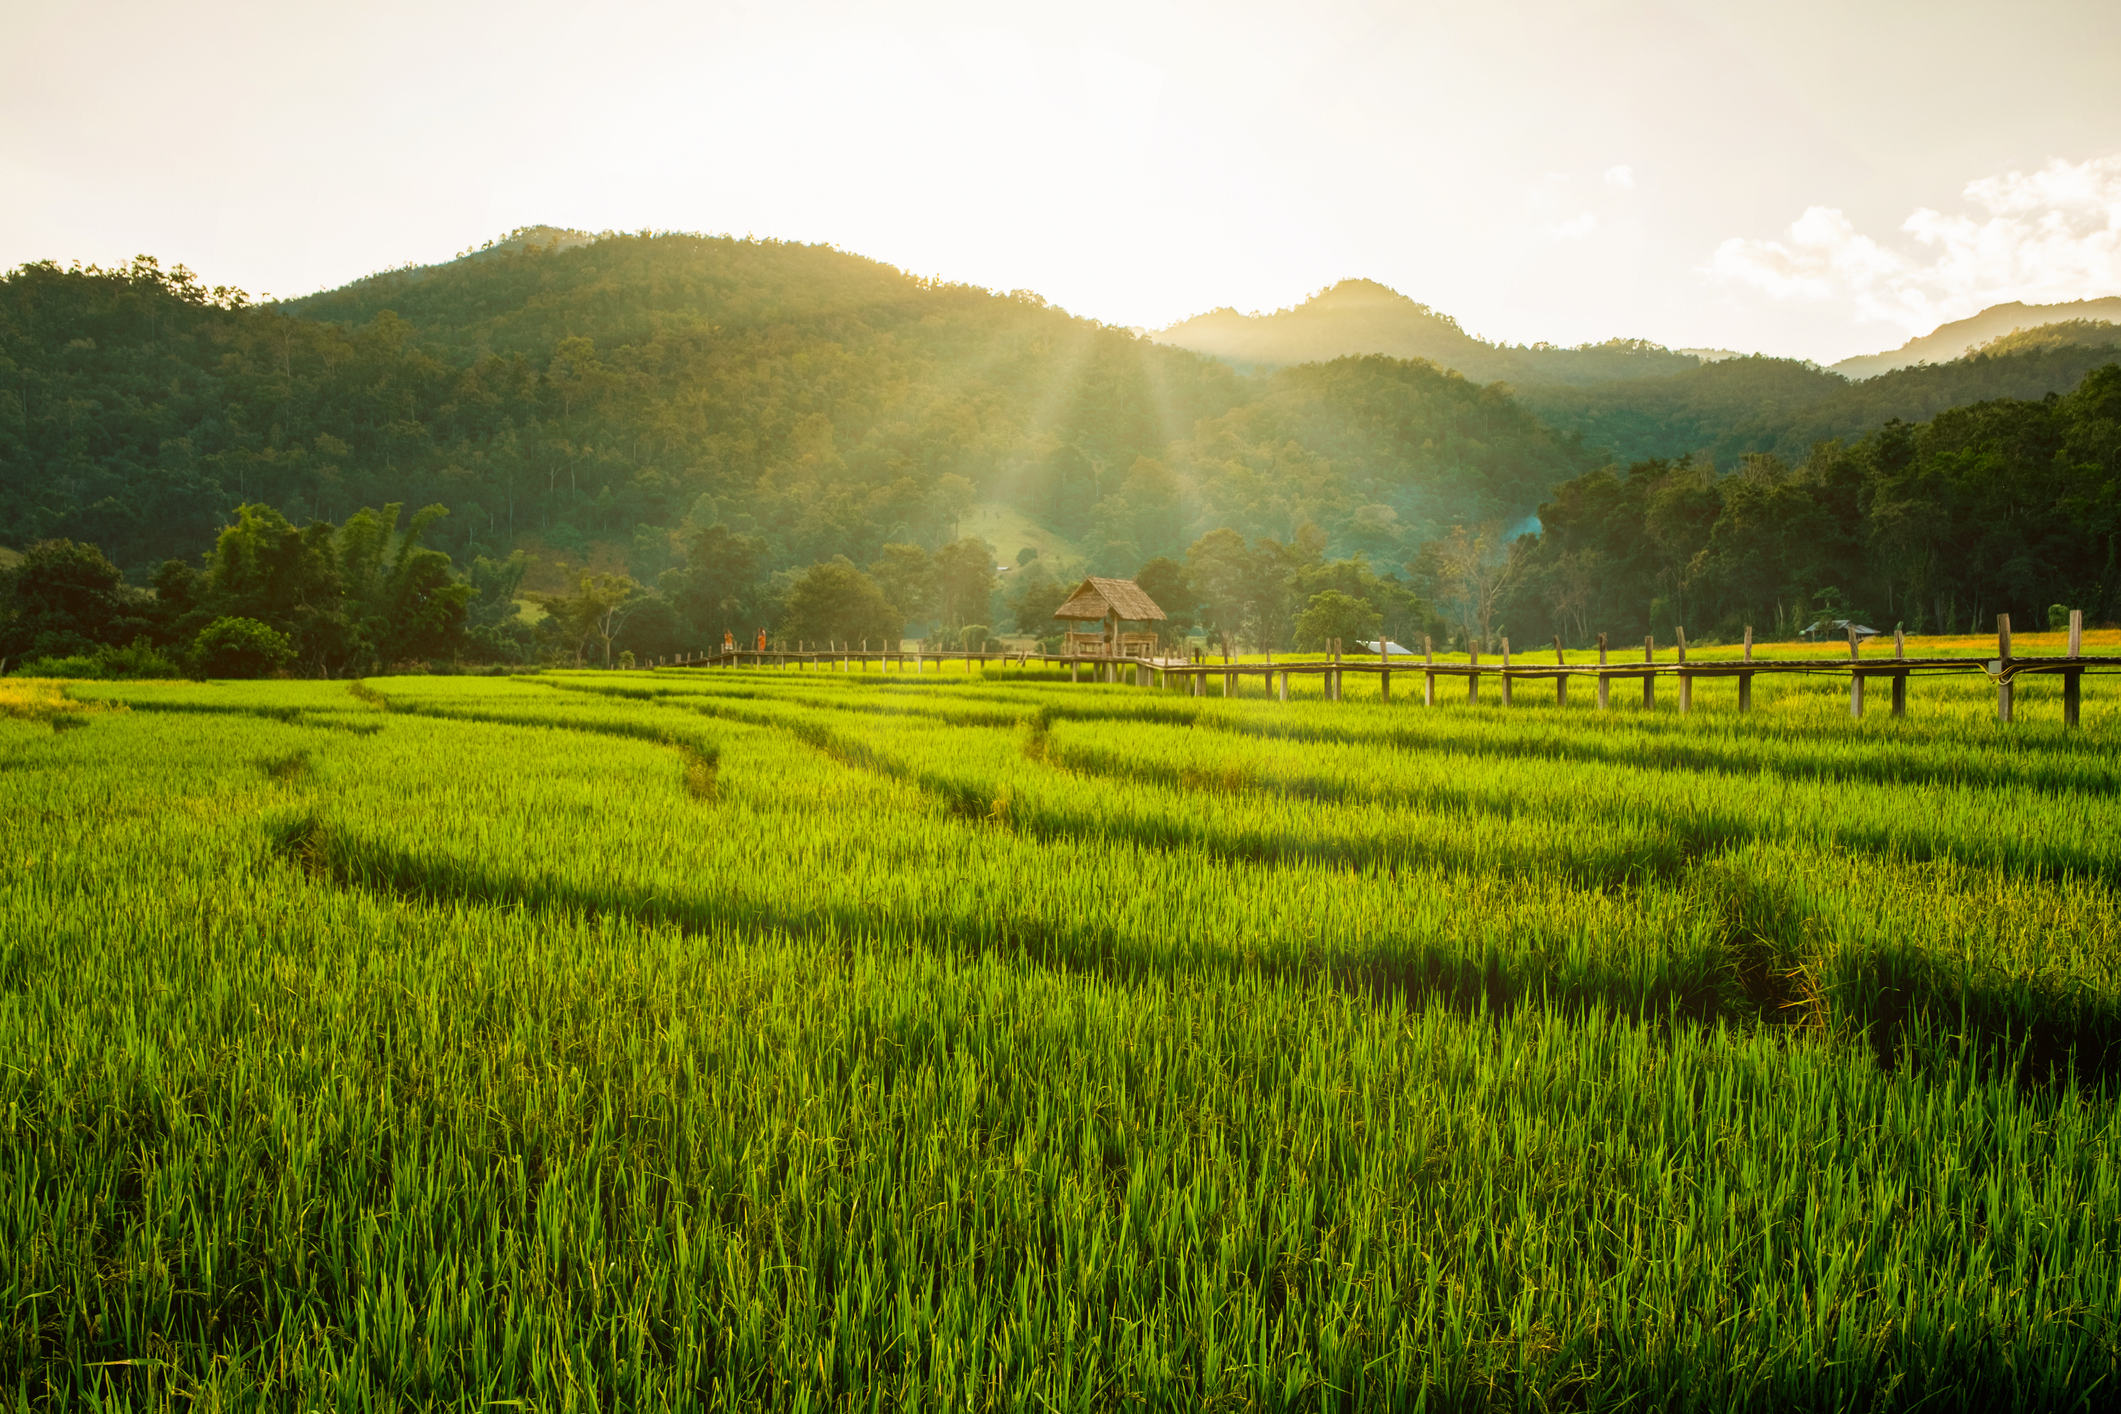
{"points": [[1621, 178], [1576, 227], [2050, 235]]}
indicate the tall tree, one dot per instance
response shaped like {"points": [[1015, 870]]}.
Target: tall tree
{"points": [[837, 603], [63, 598], [716, 589], [964, 575]]}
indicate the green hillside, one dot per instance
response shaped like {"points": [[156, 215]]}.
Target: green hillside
{"points": [[583, 398], [1767, 405]]}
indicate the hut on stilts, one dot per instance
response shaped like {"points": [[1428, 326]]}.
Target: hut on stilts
{"points": [[1111, 604]]}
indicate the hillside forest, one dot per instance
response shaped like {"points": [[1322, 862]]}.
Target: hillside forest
{"points": [[636, 444]]}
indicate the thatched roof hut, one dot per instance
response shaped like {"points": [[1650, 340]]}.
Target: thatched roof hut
{"points": [[1110, 602], [1109, 599]]}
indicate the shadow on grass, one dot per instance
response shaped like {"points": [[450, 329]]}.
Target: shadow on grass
{"points": [[1753, 963]]}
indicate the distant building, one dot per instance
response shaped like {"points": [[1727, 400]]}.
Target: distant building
{"points": [[1835, 629]]}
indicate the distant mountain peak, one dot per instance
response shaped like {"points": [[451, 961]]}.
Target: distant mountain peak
{"points": [[1964, 336], [1357, 316]]}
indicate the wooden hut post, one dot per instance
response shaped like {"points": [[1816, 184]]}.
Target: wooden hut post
{"points": [[1384, 660], [1745, 680], [2003, 666], [1561, 679], [1428, 679], [1473, 662], [1506, 672], [1686, 679], [1649, 679], [1605, 683]]}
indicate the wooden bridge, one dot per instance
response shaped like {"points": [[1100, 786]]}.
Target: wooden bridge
{"points": [[1195, 674]]}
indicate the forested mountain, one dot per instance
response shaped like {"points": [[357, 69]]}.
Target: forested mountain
{"points": [[1364, 317], [1963, 336], [588, 401], [1740, 406], [2009, 506], [656, 439]]}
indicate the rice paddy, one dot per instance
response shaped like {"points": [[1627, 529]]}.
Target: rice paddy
{"points": [[809, 1039]]}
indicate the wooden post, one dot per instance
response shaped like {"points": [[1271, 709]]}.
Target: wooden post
{"points": [[1561, 679], [2073, 678], [1855, 676], [1384, 661], [1899, 679], [1605, 684], [1649, 680], [1686, 680], [1506, 672], [1745, 680], [1472, 678], [1285, 684], [2003, 664], [1428, 679]]}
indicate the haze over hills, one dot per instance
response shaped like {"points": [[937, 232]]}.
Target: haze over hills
{"points": [[1964, 336], [1364, 317]]}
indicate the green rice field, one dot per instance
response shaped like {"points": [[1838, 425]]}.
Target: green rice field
{"points": [[802, 1039]]}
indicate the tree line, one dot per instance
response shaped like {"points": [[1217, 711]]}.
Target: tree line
{"points": [[2006, 506], [368, 595]]}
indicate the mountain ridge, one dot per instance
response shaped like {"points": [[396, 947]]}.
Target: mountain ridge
{"points": [[1964, 336], [1353, 317]]}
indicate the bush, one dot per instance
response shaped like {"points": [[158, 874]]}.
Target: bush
{"points": [[974, 636], [75, 665], [239, 648], [141, 660], [1334, 615]]}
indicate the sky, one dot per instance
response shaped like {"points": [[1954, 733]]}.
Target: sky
{"points": [[1806, 178]]}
